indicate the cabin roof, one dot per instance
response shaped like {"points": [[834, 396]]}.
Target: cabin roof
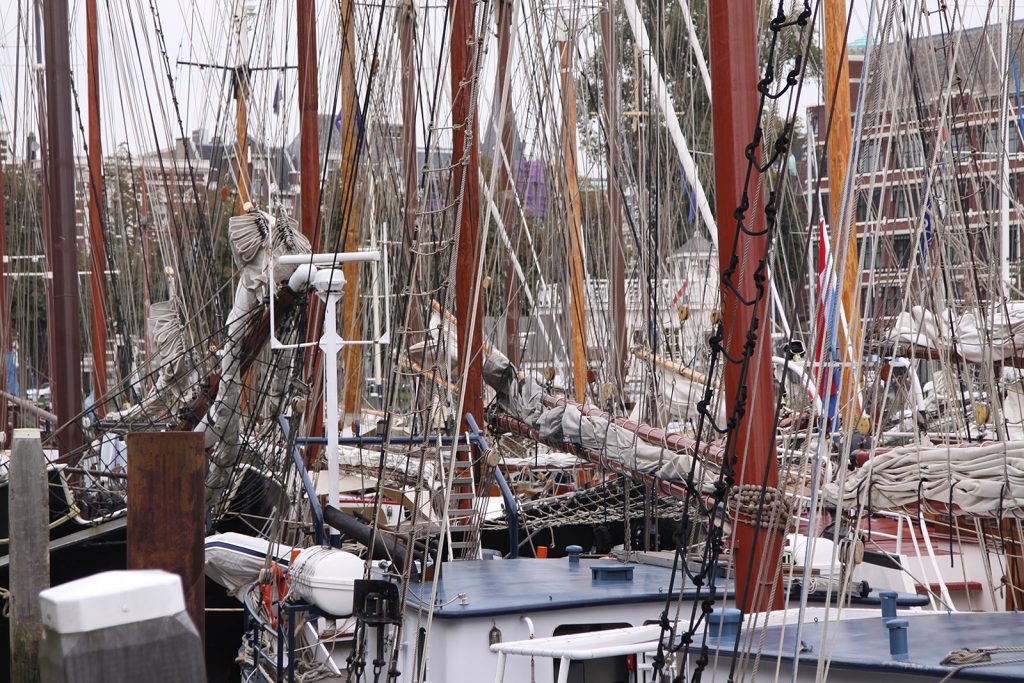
{"points": [[863, 644], [494, 587]]}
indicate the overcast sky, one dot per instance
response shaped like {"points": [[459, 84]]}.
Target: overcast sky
{"points": [[136, 100]]}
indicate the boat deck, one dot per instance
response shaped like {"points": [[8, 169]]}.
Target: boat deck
{"points": [[493, 587], [863, 644]]}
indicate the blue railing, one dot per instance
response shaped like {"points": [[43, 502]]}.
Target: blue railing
{"points": [[475, 438], [307, 484]]}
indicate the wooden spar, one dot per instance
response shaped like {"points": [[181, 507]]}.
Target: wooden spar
{"points": [[63, 320], [680, 370], [840, 135], [735, 111], [466, 192], [617, 262], [410, 165], [504, 114], [97, 246], [351, 144], [573, 225]]}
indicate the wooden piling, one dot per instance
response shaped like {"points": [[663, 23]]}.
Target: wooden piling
{"points": [[166, 516], [29, 553]]}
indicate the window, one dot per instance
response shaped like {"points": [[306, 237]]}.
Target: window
{"points": [[871, 156], [600, 670], [960, 144], [901, 251], [913, 151]]}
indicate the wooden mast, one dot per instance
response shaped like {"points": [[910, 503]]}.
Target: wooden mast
{"points": [[735, 111], [96, 244], [309, 138], [351, 141], [840, 135], [63, 317], [242, 115], [617, 262], [466, 192], [574, 224], [511, 286]]}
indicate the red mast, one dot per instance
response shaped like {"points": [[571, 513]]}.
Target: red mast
{"points": [[309, 141], [63, 325], [735, 108], [466, 190], [97, 246]]}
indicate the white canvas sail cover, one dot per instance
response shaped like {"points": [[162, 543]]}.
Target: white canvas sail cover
{"points": [[997, 337]]}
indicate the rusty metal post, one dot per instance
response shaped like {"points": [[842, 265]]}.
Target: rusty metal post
{"points": [[166, 516], [735, 110]]}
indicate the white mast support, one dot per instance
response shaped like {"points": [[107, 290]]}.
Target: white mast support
{"points": [[305, 275], [1004, 159], [330, 285], [668, 110], [698, 51]]}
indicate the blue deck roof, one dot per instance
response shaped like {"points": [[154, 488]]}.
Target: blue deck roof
{"points": [[495, 587], [863, 644]]}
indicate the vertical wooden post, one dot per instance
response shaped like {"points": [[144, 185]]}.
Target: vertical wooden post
{"points": [[735, 110], [351, 140], [617, 265], [466, 195], [573, 226], [166, 515], [840, 135], [28, 512], [96, 244], [63, 320]]}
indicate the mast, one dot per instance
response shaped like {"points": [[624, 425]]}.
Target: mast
{"points": [[309, 139], [617, 262], [735, 111], [1004, 158], [511, 286], [840, 135], [466, 190], [63, 319], [96, 244], [574, 222], [409, 162], [5, 321], [241, 110], [352, 133]]}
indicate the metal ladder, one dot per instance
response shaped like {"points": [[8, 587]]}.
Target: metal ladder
{"points": [[463, 513]]}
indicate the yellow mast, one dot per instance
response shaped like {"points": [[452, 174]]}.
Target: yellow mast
{"points": [[352, 355], [574, 226], [840, 135]]}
